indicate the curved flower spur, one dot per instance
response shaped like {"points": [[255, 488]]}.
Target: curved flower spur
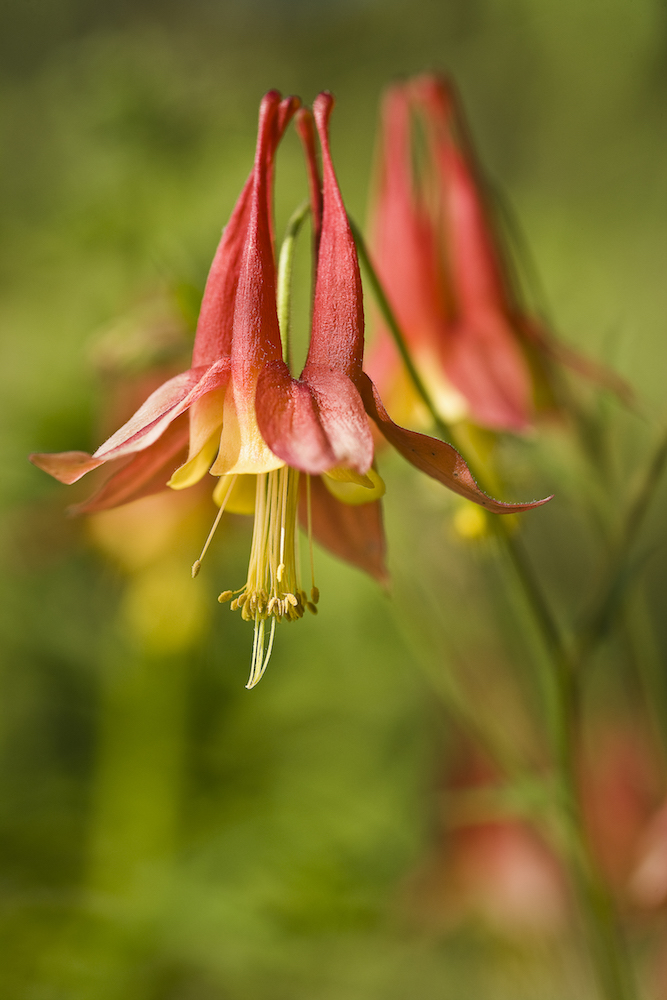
{"points": [[254, 425]]}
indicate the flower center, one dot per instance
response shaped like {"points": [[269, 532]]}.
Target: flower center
{"points": [[272, 589]]}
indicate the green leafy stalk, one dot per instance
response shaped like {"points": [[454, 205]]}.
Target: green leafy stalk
{"points": [[607, 947]]}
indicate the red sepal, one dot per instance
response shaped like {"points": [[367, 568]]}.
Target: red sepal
{"points": [[434, 457], [353, 534], [337, 338], [147, 472]]}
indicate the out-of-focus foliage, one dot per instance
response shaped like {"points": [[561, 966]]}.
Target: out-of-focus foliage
{"points": [[165, 834]]}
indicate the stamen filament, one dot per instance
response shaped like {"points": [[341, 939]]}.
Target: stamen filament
{"points": [[272, 589], [196, 566]]}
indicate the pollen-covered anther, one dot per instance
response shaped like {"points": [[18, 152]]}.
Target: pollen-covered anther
{"points": [[225, 596]]}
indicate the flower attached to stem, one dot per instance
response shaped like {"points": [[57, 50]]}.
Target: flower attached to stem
{"points": [[447, 276], [286, 448]]}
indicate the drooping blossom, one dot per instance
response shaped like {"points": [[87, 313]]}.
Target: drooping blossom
{"points": [[482, 356], [264, 433]]}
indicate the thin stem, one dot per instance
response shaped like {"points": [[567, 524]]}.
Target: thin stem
{"points": [[396, 332], [538, 602], [607, 947], [595, 625], [284, 281]]}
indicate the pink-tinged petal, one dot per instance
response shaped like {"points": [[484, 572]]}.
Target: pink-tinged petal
{"points": [[337, 338], [161, 408], [342, 416], [146, 473], [289, 422], [315, 423], [65, 466], [436, 458], [306, 130], [354, 534]]}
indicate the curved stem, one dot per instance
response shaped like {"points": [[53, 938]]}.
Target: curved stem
{"points": [[284, 282], [607, 946]]}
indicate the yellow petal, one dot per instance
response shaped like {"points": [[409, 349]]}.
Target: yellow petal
{"points": [[243, 450], [351, 492], [205, 419], [196, 467], [344, 475], [242, 497]]}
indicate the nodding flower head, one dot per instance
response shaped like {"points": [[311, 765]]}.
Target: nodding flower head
{"points": [[443, 265], [283, 447]]}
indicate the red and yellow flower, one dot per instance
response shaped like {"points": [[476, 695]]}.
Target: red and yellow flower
{"points": [[247, 420]]}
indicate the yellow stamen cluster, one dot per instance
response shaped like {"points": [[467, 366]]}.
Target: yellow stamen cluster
{"points": [[272, 589]]}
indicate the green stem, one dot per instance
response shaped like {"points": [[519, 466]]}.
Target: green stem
{"points": [[607, 947], [284, 280], [395, 330], [595, 625]]}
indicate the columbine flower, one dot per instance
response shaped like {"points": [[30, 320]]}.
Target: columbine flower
{"points": [[263, 432], [442, 266]]}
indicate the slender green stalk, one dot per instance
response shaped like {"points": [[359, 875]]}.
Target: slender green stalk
{"points": [[284, 281], [617, 572], [607, 946]]}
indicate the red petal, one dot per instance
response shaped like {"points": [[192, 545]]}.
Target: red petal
{"points": [[483, 361], [255, 336], [314, 423], [161, 408], [475, 258], [216, 317], [213, 339], [436, 458], [342, 415], [337, 338], [482, 354], [354, 534], [145, 473], [306, 129], [289, 422], [66, 466], [403, 239]]}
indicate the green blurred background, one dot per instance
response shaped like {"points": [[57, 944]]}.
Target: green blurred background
{"points": [[166, 835]]}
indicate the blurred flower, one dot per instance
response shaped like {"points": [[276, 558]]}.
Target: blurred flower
{"points": [[254, 425], [620, 790], [648, 881], [487, 864], [480, 354]]}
